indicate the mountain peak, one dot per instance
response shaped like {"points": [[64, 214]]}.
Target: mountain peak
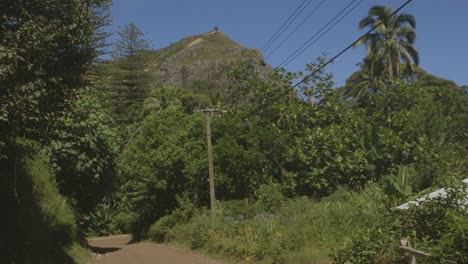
{"points": [[197, 57]]}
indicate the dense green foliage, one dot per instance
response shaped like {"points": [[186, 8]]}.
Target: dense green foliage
{"points": [[345, 226], [166, 158], [438, 226], [299, 231], [390, 134], [307, 146], [82, 149], [94, 147], [46, 48], [38, 223]]}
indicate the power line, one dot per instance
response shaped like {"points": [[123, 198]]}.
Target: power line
{"points": [[311, 41], [281, 27], [316, 34], [351, 45], [284, 26], [290, 22], [297, 27]]}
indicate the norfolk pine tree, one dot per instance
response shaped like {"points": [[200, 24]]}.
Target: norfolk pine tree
{"points": [[130, 79]]}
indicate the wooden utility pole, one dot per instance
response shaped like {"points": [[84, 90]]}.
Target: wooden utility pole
{"points": [[208, 114]]}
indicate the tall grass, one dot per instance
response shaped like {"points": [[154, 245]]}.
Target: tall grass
{"points": [[39, 224], [300, 231]]}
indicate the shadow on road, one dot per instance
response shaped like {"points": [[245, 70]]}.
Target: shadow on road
{"points": [[103, 250]]}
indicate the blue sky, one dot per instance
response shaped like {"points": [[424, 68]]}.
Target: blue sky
{"points": [[441, 29]]}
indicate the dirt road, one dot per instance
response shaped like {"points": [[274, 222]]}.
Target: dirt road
{"points": [[117, 250]]}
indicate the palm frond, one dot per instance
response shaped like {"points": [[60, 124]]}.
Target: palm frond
{"points": [[406, 33], [382, 29], [413, 53], [404, 19], [362, 41], [379, 11], [407, 58], [356, 88], [365, 22]]}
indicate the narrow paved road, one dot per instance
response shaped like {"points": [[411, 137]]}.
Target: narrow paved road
{"points": [[117, 250]]}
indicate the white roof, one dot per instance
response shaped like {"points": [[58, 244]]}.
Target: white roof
{"points": [[441, 192]]}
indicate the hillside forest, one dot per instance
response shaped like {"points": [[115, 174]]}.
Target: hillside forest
{"points": [[100, 138]]}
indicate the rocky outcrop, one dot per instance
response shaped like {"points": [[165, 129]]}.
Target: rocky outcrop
{"points": [[199, 58]]}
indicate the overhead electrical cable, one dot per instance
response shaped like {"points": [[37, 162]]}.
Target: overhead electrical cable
{"points": [[313, 40], [296, 28], [316, 33], [350, 46], [285, 25]]}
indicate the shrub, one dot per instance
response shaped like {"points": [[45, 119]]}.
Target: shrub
{"points": [[123, 221], [110, 217], [54, 209], [158, 231], [161, 228], [237, 209], [198, 232], [300, 228], [376, 245], [437, 226], [317, 228], [440, 225], [269, 197], [39, 224]]}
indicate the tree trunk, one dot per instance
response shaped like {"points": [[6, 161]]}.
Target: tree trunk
{"points": [[396, 63]]}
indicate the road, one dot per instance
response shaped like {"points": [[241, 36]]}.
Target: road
{"points": [[118, 250]]}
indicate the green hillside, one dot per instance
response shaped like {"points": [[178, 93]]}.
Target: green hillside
{"points": [[196, 64], [198, 57]]}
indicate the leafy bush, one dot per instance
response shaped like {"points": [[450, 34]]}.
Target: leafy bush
{"points": [[440, 225], [269, 197], [158, 231], [376, 245], [54, 208], [82, 150], [437, 226], [161, 228], [299, 228], [111, 216], [164, 160], [237, 209], [123, 221], [38, 223]]}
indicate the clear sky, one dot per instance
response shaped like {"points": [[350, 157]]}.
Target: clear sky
{"points": [[442, 29]]}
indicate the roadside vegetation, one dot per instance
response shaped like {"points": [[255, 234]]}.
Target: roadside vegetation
{"points": [[345, 227], [311, 174], [298, 230]]}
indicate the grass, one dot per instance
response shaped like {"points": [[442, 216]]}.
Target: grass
{"points": [[79, 254], [300, 231], [43, 228], [308, 255]]}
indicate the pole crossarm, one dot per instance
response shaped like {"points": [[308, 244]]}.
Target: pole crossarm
{"points": [[210, 111]]}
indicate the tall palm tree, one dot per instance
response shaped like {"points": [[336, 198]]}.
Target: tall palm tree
{"points": [[369, 79], [393, 39]]}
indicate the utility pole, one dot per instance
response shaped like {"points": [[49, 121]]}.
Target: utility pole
{"points": [[208, 114]]}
